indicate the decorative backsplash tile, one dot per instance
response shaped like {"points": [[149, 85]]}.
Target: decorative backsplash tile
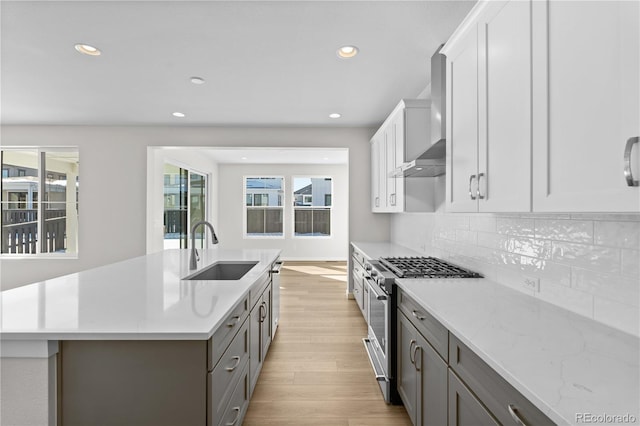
{"points": [[586, 263]]}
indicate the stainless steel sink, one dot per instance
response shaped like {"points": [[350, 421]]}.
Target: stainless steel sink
{"points": [[223, 270]]}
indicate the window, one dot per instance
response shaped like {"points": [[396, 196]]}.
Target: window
{"points": [[312, 206], [263, 206], [184, 205], [48, 227]]}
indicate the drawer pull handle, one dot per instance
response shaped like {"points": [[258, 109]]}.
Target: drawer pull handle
{"points": [[233, 321], [628, 173], [420, 317], [237, 358], [480, 196], [237, 410], [514, 415]]}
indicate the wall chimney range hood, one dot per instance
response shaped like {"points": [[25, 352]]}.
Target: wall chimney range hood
{"points": [[432, 161]]}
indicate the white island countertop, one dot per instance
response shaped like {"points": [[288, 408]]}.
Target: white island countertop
{"points": [[143, 298], [567, 365]]}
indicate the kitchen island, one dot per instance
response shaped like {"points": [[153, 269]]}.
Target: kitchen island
{"points": [[571, 368], [143, 316]]}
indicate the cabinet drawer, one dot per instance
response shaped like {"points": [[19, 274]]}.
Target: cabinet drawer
{"points": [[435, 333], [358, 271], [225, 333], [358, 292], [502, 399], [257, 290], [221, 381], [239, 402], [358, 257], [464, 407]]}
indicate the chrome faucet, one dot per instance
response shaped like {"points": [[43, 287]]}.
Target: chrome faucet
{"points": [[193, 261]]}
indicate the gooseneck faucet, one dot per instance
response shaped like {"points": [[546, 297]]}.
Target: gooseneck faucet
{"points": [[193, 261]]}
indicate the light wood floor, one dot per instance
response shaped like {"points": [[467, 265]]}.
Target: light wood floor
{"points": [[317, 371]]}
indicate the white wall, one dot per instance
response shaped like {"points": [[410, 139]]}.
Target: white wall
{"points": [[231, 199], [113, 171]]}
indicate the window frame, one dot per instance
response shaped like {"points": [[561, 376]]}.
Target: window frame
{"points": [[41, 155], [303, 207], [245, 207]]}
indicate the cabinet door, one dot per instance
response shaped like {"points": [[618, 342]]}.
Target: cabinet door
{"points": [[462, 123], [265, 327], [504, 110], [586, 85], [390, 166], [464, 408], [407, 377], [254, 345], [378, 177], [432, 386]]}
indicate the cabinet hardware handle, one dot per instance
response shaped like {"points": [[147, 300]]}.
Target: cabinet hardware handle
{"points": [[381, 297], [233, 321], [420, 317], [514, 415], [411, 352], [377, 201], [628, 173], [392, 199], [262, 312], [480, 196], [237, 410], [415, 357], [471, 178], [237, 359]]}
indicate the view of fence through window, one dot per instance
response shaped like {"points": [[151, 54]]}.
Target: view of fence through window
{"points": [[264, 206], [312, 198], [184, 205], [39, 202]]}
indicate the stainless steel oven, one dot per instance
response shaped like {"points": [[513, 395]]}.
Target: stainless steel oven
{"points": [[380, 276]]}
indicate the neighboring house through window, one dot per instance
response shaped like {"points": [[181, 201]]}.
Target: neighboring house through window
{"points": [[312, 206], [33, 224], [263, 209]]}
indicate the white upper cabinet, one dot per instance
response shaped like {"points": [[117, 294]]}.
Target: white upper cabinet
{"points": [[586, 87], [543, 107], [401, 138], [489, 110]]}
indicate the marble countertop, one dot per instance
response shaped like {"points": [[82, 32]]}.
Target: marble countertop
{"points": [[139, 298], [565, 364]]}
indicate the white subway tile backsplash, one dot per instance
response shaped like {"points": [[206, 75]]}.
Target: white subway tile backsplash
{"points": [[564, 230], [574, 300], [631, 263], [617, 234], [605, 259], [613, 287], [587, 263]]}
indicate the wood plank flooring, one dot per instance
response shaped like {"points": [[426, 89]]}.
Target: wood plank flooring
{"points": [[317, 372]]}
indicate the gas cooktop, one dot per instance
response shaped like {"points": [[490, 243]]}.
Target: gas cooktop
{"points": [[425, 267]]}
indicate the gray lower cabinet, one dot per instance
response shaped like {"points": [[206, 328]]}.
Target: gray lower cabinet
{"points": [[360, 288], [464, 407], [443, 382], [169, 382], [422, 376], [260, 333]]}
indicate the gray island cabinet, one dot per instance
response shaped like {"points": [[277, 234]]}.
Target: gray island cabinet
{"points": [[143, 346]]}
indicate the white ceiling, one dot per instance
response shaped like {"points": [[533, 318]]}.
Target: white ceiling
{"points": [[271, 155], [266, 63]]}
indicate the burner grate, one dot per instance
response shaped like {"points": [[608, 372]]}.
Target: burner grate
{"points": [[425, 267]]}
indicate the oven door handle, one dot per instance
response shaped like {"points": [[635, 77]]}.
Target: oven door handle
{"points": [[374, 287]]}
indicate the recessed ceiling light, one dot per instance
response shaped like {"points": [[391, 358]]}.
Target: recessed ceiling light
{"points": [[178, 114], [243, 158], [325, 158], [87, 49], [197, 80], [334, 115], [347, 52]]}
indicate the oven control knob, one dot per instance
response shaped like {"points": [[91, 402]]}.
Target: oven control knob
{"points": [[367, 267], [374, 273]]}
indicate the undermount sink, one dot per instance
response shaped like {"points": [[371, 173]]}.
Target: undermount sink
{"points": [[224, 270]]}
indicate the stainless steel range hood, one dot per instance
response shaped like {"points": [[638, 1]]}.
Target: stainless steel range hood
{"points": [[432, 161]]}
